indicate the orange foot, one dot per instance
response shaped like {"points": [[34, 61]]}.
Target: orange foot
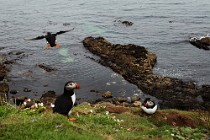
{"points": [[48, 46], [72, 119], [57, 45]]}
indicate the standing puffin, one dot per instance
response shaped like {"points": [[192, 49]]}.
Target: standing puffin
{"points": [[51, 38], [149, 106], [65, 102]]}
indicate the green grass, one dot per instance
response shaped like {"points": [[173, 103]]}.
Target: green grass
{"points": [[93, 123]]}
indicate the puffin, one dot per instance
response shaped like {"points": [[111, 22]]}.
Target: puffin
{"points": [[201, 43], [149, 106], [51, 38], [65, 102]]}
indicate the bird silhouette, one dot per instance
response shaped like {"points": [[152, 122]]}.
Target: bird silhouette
{"points": [[50, 38]]}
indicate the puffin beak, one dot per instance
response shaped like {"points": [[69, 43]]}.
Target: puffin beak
{"points": [[145, 104], [77, 86]]}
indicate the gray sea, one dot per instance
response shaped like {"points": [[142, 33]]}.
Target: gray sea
{"points": [[162, 26]]}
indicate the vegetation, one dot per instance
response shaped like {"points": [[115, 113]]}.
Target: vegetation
{"points": [[95, 122]]}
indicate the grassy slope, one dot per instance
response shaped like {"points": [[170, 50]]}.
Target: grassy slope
{"points": [[94, 123]]}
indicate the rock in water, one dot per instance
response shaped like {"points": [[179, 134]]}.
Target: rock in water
{"points": [[201, 43]]}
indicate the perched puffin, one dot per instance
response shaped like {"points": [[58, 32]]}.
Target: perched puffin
{"points": [[149, 106], [65, 102], [51, 38], [201, 43]]}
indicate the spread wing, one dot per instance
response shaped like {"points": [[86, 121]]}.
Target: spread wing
{"points": [[37, 38], [61, 32]]}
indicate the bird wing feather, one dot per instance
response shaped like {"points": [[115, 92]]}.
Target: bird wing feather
{"points": [[61, 32], [37, 38]]}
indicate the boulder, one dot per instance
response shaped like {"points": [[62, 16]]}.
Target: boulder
{"points": [[201, 43]]}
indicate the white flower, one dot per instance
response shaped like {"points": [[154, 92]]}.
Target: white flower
{"points": [[52, 105], [36, 105], [41, 104]]}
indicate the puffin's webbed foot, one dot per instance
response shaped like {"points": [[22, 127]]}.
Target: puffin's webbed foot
{"points": [[47, 47], [57, 45]]}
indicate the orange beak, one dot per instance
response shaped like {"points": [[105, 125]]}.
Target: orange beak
{"points": [[77, 86]]}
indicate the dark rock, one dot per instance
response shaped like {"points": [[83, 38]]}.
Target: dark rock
{"points": [[4, 87], [3, 71], [107, 94], [47, 68], [135, 64], [26, 90], [19, 100], [201, 43], [132, 99], [48, 98], [120, 99], [13, 91], [126, 23]]}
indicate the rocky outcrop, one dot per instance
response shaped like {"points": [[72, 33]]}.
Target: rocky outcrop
{"points": [[4, 87], [201, 43], [135, 64]]}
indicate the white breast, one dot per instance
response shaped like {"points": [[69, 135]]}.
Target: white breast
{"points": [[149, 110], [73, 97]]}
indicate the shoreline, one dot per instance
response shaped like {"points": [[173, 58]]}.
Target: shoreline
{"points": [[135, 64]]}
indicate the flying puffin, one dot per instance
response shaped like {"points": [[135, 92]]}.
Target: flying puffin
{"points": [[149, 106], [51, 38], [65, 102]]}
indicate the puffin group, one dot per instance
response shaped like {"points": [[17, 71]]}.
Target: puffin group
{"points": [[51, 38]]}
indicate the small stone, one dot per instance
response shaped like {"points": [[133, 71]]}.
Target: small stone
{"points": [[137, 104], [19, 100], [107, 94], [120, 99], [13, 91], [27, 90]]}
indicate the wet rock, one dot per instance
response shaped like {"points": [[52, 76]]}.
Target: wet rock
{"points": [[137, 104], [4, 87], [126, 23], [19, 100], [3, 68], [26, 90], [48, 98], [135, 64], [93, 90], [3, 71], [107, 94], [120, 99], [46, 67], [201, 43], [133, 99], [13, 91], [3, 58]]}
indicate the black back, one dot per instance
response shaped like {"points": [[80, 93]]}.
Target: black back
{"points": [[51, 38]]}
